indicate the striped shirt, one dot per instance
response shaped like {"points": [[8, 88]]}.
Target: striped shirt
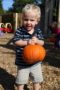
{"points": [[21, 33]]}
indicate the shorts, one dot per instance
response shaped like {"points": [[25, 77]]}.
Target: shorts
{"points": [[34, 73]]}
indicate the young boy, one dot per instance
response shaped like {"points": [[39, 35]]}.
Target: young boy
{"points": [[25, 35]]}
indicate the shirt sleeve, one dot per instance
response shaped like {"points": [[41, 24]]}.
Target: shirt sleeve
{"points": [[39, 34], [18, 35]]}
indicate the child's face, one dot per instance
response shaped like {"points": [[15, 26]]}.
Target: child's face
{"points": [[30, 20]]}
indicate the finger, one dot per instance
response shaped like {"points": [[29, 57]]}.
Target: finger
{"points": [[33, 37]]}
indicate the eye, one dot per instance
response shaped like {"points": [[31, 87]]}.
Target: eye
{"points": [[25, 19], [32, 20]]}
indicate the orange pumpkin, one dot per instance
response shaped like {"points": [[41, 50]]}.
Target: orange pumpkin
{"points": [[33, 53]]}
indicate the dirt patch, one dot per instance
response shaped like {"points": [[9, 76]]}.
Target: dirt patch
{"points": [[50, 67]]}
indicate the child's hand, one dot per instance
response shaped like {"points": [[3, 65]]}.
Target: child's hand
{"points": [[31, 42], [34, 39]]}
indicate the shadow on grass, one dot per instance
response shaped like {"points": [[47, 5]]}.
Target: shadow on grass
{"points": [[9, 44], [53, 61], [7, 80], [53, 57], [12, 47]]}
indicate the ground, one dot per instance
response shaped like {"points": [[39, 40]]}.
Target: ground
{"points": [[50, 66]]}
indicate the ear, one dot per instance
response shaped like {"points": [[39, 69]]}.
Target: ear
{"points": [[37, 22]]}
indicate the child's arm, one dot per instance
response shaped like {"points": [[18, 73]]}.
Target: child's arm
{"points": [[18, 38], [37, 41], [32, 41], [21, 43]]}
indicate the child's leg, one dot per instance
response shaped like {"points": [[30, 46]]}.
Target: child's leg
{"points": [[22, 78], [20, 87], [36, 86], [36, 76]]}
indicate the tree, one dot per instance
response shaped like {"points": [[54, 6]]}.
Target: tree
{"points": [[18, 5], [1, 8]]}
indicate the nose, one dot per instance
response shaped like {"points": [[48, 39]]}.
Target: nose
{"points": [[28, 21]]}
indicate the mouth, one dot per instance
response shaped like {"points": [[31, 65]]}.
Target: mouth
{"points": [[28, 25]]}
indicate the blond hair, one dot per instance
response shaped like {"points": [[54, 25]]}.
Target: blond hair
{"points": [[34, 8]]}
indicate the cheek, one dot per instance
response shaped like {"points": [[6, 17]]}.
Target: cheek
{"points": [[24, 23], [35, 23]]}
